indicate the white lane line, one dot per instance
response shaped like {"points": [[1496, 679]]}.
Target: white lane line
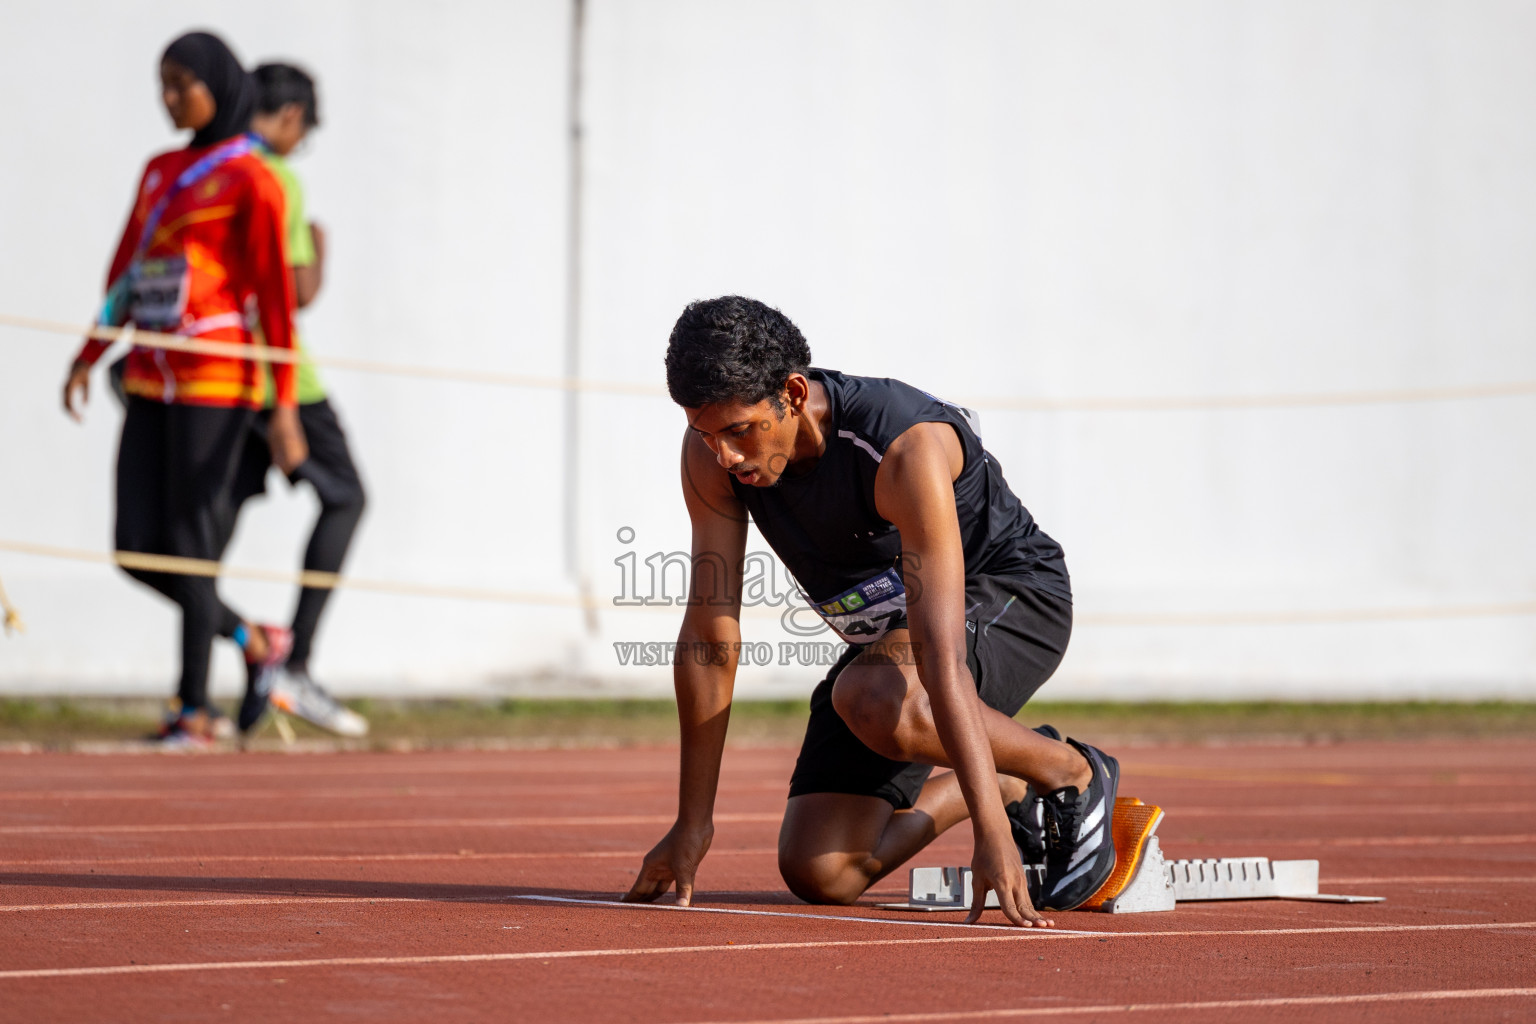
{"points": [[489, 897], [524, 790], [1065, 932], [922, 923], [1112, 1008], [1362, 929], [393, 823], [1398, 810], [1427, 840], [874, 894], [301, 768], [1436, 880], [1014, 935], [276, 901], [471, 855], [364, 858], [308, 768], [473, 958], [1351, 841], [610, 821], [1400, 777], [510, 790]]}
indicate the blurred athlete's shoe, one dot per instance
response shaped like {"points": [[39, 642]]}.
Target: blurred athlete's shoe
{"points": [[259, 675], [198, 729], [295, 693], [1079, 841]]}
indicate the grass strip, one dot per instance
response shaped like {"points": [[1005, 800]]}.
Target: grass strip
{"points": [[65, 723]]}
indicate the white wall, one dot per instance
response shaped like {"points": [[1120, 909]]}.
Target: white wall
{"points": [[986, 199]]}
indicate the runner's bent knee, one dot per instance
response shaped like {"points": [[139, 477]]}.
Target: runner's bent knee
{"points": [[828, 878], [871, 700]]}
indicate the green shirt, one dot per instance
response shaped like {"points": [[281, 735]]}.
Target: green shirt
{"points": [[301, 253]]}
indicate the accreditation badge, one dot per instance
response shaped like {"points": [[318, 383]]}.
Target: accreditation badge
{"points": [[865, 613], [157, 292]]}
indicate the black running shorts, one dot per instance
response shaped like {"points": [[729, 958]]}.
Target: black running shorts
{"points": [[1015, 638]]}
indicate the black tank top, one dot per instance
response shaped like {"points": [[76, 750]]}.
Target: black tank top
{"points": [[824, 527]]}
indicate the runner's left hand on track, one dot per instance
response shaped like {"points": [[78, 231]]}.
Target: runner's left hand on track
{"points": [[675, 859]]}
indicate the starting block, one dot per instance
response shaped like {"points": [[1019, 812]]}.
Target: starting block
{"points": [[1143, 881]]}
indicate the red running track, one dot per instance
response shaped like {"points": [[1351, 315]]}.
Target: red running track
{"points": [[402, 887]]}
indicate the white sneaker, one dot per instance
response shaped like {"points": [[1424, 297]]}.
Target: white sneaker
{"points": [[296, 694]]}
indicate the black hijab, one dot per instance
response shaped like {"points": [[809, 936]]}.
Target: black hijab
{"points": [[234, 93]]}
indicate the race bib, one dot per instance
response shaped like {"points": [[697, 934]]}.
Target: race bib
{"points": [[157, 292], [868, 611]]}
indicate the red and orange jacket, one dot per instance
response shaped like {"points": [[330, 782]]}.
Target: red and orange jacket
{"points": [[229, 230]]}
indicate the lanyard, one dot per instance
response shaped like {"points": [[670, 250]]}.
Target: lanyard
{"points": [[114, 309], [238, 146]]}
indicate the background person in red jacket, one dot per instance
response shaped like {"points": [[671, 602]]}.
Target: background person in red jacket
{"points": [[205, 238]]}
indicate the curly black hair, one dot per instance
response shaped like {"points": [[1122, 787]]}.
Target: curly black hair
{"points": [[733, 348]]}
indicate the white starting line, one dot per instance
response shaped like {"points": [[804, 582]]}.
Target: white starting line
{"points": [[789, 913]]}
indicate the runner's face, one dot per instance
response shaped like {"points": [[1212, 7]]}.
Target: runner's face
{"points": [[283, 129], [752, 442], [186, 98]]}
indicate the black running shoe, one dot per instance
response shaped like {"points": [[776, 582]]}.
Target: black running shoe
{"points": [[1079, 838], [1027, 818]]}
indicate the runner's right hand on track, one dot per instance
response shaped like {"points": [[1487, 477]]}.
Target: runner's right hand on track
{"points": [[79, 380], [675, 859]]}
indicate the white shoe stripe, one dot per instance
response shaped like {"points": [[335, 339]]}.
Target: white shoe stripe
{"points": [[1091, 844], [1072, 878], [1094, 817]]}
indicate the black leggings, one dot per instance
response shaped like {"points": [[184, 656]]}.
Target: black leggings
{"points": [[332, 473], [176, 465]]}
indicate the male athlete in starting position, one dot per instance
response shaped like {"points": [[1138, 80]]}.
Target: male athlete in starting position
{"points": [[900, 529]]}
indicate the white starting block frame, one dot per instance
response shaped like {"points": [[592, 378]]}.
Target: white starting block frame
{"points": [[1157, 885]]}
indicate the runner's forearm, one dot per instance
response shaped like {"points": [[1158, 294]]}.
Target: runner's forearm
{"points": [[704, 678], [957, 719]]}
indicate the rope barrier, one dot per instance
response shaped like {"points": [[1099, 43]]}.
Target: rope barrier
{"points": [[1003, 403], [1296, 400], [327, 580], [261, 353], [176, 565], [1309, 617]]}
